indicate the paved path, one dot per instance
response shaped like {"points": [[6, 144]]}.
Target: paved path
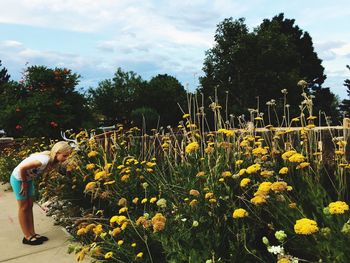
{"points": [[11, 248]]}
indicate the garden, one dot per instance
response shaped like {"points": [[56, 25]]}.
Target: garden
{"points": [[246, 191]]}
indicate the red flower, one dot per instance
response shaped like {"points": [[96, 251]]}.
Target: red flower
{"points": [[18, 127], [53, 124]]}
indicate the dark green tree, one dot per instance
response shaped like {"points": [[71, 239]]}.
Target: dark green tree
{"points": [[115, 98], [345, 104], [246, 65], [4, 76], [164, 94], [44, 103]]}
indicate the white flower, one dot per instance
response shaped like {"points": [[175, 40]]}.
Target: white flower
{"points": [[276, 250]]}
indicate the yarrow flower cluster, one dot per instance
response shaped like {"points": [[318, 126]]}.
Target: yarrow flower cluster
{"points": [[240, 213], [192, 147], [338, 207], [305, 226]]}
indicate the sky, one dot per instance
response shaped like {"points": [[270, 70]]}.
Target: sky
{"points": [[149, 37]]}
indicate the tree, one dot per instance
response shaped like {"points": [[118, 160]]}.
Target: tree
{"points": [[345, 105], [116, 98], [164, 94], [44, 103], [274, 57], [4, 77]]}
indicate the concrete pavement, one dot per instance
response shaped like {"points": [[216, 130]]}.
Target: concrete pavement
{"points": [[11, 248]]}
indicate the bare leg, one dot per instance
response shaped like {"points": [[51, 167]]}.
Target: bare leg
{"points": [[23, 214], [30, 216]]}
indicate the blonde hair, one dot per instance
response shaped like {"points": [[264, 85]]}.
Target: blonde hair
{"points": [[58, 147]]}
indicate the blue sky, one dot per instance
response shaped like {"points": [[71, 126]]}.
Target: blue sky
{"points": [[94, 38]]}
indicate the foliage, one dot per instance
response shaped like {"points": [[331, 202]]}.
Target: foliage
{"points": [[43, 103], [165, 95], [244, 65], [116, 98]]}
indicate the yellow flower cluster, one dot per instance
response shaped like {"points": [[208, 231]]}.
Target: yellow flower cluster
{"points": [[259, 151], [253, 168], [192, 147], [296, 158], [305, 226], [283, 170], [228, 133], [279, 186], [244, 182], [120, 220], [338, 207], [239, 213], [158, 222], [226, 174]]}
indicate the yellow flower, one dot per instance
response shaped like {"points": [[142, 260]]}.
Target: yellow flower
{"points": [[97, 229], [242, 171], [244, 182], [193, 203], [209, 195], [287, 154], [135, 200], [153, 200], [120, 242], [303, 165], [123, 210], [151, 164], [253, 168], [259, 151], [239, 213], [284, 260], [226, 174], [144, 200], [109, 182], [158, 222], [338, 207], [194, 192], [116, 231], [244, 143], [133, 244], [279, 186], [185, 116], [92, 154], [266, 173], [90, 166], [81, 231], [296, 158], [125, 178], [200, 174], [100, 175], [139, 255], [192, 147], [90, 186], [239, 162], [264, 188], [283, 170], [305, 226], [258, 200]]}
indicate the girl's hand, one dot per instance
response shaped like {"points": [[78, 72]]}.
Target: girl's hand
{"points": [[24, 189]]}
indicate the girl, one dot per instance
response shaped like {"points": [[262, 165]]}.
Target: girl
{"points": [[22, 184]]}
